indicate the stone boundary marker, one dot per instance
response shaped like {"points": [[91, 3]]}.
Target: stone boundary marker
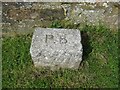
{"points": [[56, 48]]}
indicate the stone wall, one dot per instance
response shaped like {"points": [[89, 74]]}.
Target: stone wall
{"points": [[93, 14], [20, 17]]}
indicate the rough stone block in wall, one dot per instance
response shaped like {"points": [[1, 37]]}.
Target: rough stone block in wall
{"points": [[56, 48]]}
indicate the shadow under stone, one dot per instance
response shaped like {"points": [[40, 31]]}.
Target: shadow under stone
{"points": [[87, 48]]}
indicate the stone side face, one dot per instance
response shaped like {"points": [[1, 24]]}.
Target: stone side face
{"points": [[56, 48]]}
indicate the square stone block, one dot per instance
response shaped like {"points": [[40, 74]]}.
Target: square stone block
{"points": [[56, 48]]}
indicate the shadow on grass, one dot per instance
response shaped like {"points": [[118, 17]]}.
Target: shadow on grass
{"points": [[87, 48]]}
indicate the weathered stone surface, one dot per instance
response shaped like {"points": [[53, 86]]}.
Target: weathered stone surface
{"points": [[56, 48]]}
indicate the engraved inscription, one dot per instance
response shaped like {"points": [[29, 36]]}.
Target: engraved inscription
{"points": [[63, 40], [49, 38]]}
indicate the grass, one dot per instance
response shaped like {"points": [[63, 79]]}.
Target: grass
{"points": [[99, 68]]}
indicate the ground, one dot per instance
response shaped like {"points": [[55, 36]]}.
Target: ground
{"points": [[99, 68]]}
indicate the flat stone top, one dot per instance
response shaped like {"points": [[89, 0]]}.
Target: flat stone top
{"points": [[57, 39]]}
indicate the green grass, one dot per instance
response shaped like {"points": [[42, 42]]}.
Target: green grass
{"points": [[99, 68]]}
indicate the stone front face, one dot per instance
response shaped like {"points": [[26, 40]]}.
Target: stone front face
{"points": [[56, 48]]}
